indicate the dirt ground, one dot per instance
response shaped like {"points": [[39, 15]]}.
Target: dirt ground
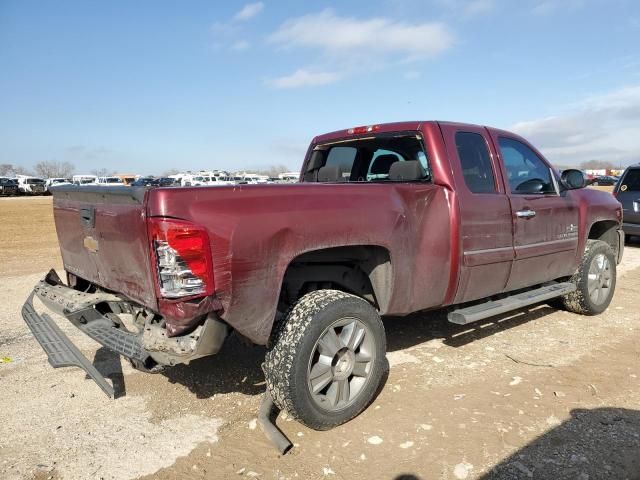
{"points": [[538, 393]]}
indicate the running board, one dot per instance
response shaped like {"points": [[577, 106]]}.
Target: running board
{"points": [[474, 313]]}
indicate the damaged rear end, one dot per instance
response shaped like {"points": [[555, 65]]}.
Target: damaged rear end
{"points": [[141, 287]]}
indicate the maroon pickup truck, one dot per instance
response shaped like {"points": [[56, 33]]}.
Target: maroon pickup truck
{"points": [[385, 220]]}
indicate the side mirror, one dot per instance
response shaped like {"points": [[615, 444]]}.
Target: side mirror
{"points": [[572, 179]]}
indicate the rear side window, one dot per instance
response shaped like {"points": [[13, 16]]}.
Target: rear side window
{"points": [[524, 167], [476, 162], [631, 180]]}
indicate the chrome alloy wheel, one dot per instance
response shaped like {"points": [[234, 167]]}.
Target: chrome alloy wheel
{"points": [[340, 364], [599, 279]]}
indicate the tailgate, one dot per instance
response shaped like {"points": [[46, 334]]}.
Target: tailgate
{"points": [[102, 233]]}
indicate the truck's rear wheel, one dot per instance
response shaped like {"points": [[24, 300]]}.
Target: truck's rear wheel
{"points": [[326, 359], [595, 280]]}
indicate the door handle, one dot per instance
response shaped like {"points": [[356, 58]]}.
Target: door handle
{"points": [[525, 214]]}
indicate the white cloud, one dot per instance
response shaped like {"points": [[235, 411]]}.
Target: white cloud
{"points": [[304, 78], [411, 75], [602, 127], [240, 45], [341, 37], [249, 11], [348, 45], [224, 34]]}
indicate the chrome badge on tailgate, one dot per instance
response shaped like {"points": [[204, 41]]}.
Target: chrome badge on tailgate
{"points": [[90, 244]]}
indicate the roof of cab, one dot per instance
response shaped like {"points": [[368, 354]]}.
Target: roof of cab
{"points": [[386, 127]]}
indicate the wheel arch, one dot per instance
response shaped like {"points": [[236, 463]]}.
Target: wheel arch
{"points": [[607, 231], [362, 270]]}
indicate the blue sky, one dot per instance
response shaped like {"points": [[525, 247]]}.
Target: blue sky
{"points": [[147, 86]]}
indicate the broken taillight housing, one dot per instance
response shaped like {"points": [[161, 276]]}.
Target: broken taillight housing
{"points": [[182, 257]]}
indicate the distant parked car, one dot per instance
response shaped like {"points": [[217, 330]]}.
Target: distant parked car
{"points": [[31, 185], [155, 182], [127, 178], [85, 179], [146, 182], [110, 181], [627, 191], [167, 182], [51, 182], [8, 187], [588, 178], [604, 180]]}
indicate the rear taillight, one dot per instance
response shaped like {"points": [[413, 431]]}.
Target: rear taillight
{"points": [[182, 257]]}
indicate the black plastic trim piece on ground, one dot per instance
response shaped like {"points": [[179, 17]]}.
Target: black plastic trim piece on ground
{"points": [[60, 351]]}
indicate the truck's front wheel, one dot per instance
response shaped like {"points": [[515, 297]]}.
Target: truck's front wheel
{"points": [[326, 359], [595, 280]]}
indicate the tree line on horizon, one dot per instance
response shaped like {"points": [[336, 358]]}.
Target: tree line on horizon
{"points": [[57, 169]]}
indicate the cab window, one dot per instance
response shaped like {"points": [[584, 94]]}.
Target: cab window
{"points": [[526, 171], [370, 159], [381, 163], [343, 158], [476, 162]]}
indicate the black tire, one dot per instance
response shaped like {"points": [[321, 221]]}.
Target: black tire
{"points": [[581, 301], [296, 343]]}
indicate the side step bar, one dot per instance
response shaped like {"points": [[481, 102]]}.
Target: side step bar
{"points": [[474, 313], [60, 351]]}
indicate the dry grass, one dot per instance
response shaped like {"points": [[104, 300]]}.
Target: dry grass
{"points": [[603, 188], [28, 236]]}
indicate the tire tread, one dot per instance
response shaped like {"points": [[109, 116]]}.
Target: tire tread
{"points": [[285, 342]]}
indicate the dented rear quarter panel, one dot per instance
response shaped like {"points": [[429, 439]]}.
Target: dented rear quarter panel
{"points": [[257, 230]]}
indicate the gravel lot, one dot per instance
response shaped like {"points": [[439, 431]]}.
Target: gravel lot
{"points": [[538, 393]]}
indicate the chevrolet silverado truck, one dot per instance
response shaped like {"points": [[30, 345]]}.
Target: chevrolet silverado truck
{"points": [[385, 220]]}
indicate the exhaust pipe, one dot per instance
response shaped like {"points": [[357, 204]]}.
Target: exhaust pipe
{"points": [[266, 418]]}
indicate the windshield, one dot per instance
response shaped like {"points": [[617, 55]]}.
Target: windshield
{"points": [[112, 180], [366, 159], [34, 181]]}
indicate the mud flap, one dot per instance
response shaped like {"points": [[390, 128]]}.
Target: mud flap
{"points": [[61, 352]]}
